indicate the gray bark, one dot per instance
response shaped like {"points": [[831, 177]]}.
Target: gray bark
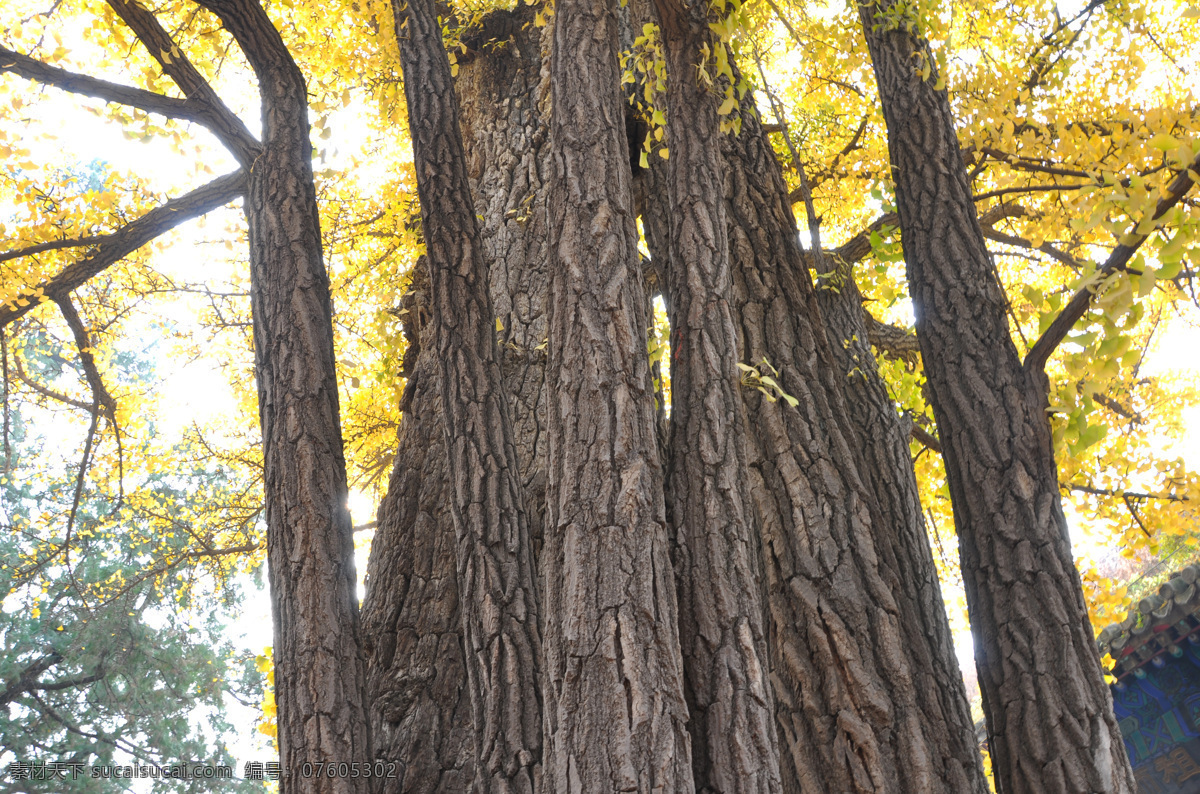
{"points": [[412, 618], [497, 593], [845, 678], [615, 713], [319, 667], [1049, 712], [716, 552]]}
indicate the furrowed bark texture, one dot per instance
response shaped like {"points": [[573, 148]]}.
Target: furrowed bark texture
{"points": [[503, 85], [1049, 711], [881, 441], [411, 619], [319, 668], [715, 543], [498, 599], [847, 711], [615, 713], [412, 623]]}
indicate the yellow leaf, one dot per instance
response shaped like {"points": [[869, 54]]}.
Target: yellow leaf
{"points": [[1164, 142]]}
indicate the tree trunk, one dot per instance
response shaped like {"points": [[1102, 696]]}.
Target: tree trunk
{"points": [[843, 672], [715, 547], [411, 619], [497, 594], [898, 528], [319, 669], [1049, 711], [412, 622], [504, 95], [615, 713]]}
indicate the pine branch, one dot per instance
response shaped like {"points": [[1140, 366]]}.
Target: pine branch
{"points": [[113, 247]]}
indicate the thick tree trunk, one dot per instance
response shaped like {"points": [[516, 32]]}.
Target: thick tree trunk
{"points": [[411, 619], [844, 674], [412, 622], [497, 594], [319, 668], [715, 546], [504, 94], [615, 713], [882, 444], [1049, 711]]}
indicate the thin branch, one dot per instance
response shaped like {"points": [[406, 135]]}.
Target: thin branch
{"points": [[857, 247], [75, 83], [925, 437], [7, 389], [130, 237], [179, 560], [1025, 164], [46, 391], [101, 397], [28, 677], [52, 245], [1118, 409], [1007, 191], [1000, 237], [223, 122], [1117, 260], [1124, 494], [1133, 512], [814, 223], [786, 24]]}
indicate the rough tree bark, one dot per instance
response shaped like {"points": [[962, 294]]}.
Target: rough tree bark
{"points": [[412, 623], [715, 546], [615, 713], [881, 443], [1049, 712], [319, 668], [844, 674], [411, 620], [497, 593]]}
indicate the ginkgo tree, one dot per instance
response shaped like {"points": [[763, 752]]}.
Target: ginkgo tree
{"points": [[1074, 131]]}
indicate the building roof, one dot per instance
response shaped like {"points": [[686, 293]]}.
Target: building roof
{"points": [[1157, 626]]}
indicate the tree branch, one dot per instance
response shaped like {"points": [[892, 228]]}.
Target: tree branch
{"points": [[925, 437], [101, 397], [857, 247], [130, 237], [896, 342], [1020, 242], [1040, 353], [51, 245], [75, 83], [1123, 494], [28, 677], [223, 122], [46, 391], [1030, 189]]}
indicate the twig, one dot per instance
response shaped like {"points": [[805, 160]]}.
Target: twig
{"points": [[1117, 260]]}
